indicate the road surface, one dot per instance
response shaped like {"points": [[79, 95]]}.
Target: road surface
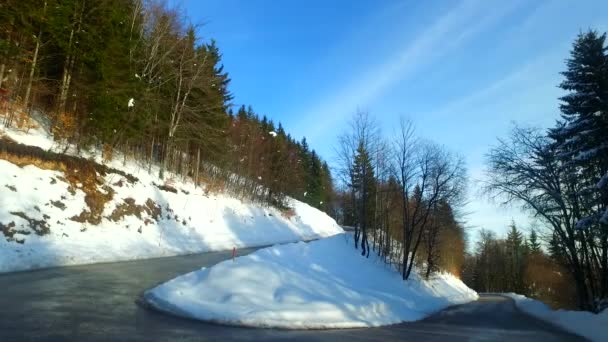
{"points": [[98, 303]]}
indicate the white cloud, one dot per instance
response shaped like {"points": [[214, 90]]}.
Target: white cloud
{"points": [[450, 31]]}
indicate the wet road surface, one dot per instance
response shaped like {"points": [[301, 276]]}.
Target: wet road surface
{"points": [[99, 303]]}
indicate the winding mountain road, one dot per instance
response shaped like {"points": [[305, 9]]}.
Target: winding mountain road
{"points": [[99, 303]]}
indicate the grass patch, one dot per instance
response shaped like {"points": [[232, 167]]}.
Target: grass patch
{"points": [[130, 208], [79, 173], [41, 227], [58, 204], [165, 187]]}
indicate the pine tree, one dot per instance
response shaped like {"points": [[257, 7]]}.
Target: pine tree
{"points": [[313, 180], [581, 136], [515, 254], [582, 143], [533, 242], [556, 249], [327, 189], [364, 184], [111, 119]]}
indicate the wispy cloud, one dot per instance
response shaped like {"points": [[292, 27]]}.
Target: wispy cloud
{"points": [[450, 31], [510, 81]]}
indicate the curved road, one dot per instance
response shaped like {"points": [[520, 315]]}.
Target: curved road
{"points": [[98, 303]]}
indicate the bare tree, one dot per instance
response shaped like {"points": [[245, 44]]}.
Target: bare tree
{"points": [[188, 70], [427, 174], [525, 169], [363, 132], [38, 37]]}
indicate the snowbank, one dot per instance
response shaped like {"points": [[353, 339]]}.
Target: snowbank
{"points": [[40, 208], [321, 284], [587, 324]]}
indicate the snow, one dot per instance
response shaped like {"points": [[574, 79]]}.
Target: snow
{"points": [[604, 218], [584, 223], [193, 220], [38, 136], [583, 323], [585, 155], [603, 182], [315, 285]]}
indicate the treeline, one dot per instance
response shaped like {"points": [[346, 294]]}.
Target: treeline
{"points": [[400, 194], [518, 263], [266, 156], [133, 76], [561, 175]]}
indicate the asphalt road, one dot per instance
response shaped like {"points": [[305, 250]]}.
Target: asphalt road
{"points": [[98, 303]]}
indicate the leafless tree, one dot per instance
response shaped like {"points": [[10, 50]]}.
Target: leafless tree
{"points": [[525, 169], [362, 131], [427, 174]]}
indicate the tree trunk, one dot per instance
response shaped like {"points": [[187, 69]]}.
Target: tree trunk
{"points": [[69, 63], [151, 155], [2, 68], [197, 166], [28, 89], [581, 289], [406, 234], [166, 156], [604, 267]]}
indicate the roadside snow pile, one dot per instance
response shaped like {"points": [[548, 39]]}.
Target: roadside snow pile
{"points": [[59, 211], [583, 323], [316, 285]]}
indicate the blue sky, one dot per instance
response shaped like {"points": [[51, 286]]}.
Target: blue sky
{"points": [[462, 71]]}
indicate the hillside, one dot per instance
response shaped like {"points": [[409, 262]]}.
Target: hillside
{"points": [[57, 208]]}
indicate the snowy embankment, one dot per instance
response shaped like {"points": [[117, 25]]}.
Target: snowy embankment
{"points": [[583, 323], [315, 285], [54, 213]]}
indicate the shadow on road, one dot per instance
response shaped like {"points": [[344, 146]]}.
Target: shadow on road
{"points": [[98, 303]]}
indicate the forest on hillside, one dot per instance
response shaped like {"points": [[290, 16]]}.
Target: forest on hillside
{"points": [[136, 77], [403, 194], [520, 262]]}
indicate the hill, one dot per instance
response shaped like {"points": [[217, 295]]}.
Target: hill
{"points": [[63, 207]]}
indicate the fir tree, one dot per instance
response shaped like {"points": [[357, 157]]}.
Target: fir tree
{"points": [[364, 184], [580, 136], [533, 242], [582, 144], [515, 254]]}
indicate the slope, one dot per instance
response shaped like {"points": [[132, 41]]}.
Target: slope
{"points": [[63, 207]]}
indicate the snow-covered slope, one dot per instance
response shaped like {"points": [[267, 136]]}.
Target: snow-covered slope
{"points": [[321, 284], [583, 323], [53, 214]]}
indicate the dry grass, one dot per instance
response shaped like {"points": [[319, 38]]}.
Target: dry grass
{"points": [[213, 185], [79, 173], [129, 208], [165, 187], [8, 230], [154, 209], [41, 227], [6, 138], [58, 204], [288, 213]]}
